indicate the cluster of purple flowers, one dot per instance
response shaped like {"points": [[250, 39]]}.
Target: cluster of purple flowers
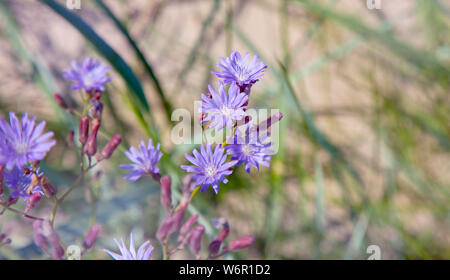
{"points": [[23, 144], [224, 109]]}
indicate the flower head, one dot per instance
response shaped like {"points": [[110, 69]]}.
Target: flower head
{"points": [[249, 148], [144, 252], [144, 161], [90, 75], [238, 70], [209, 167], [19, 182], [222, 108], [22, 142]]}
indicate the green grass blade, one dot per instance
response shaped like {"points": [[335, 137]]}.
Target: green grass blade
{"points": [[167, 105], [104, 49]]}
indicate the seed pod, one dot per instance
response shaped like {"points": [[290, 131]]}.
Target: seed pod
{"points": [[84, 130], [108, 150]]}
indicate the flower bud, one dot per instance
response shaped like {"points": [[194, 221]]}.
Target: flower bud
{"points": [[39, 238], [49, 188], [108, 150], [195, 239], [96, 109], [241, 243], [84, 130], [166, 194], [33, 200], [91, 236], [57, 250], [187, 226], [222, 223], [91, 144], [60, 101]]}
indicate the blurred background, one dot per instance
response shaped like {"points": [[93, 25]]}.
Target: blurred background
{"points": [[364, 142]]}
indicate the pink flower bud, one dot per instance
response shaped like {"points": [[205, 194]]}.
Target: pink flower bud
{"points": [[241, 243], [84, 130], [49, 188], [91, 236], [91, 144], [60, 101], [195, 239], [108, 150], [32, 201], [57, 250], [187, 226], [171, 224], [166, 194], [214, 247]]}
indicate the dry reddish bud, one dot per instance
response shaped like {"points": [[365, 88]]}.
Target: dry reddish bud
{"points": [[32, 201], [166, 193], [49, 188], [187, 226], [241, 243], [84, 130], [96, 109], [91, 236], [195, 239], [60, 101], [91, 144], [109, 149], [57, 250]]}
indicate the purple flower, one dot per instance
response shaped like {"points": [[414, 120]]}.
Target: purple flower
{"points": [[223, 109], [144, 161], [144, 252], [22, 142], [238, 70], [90, 75], [249, 148], [209, 167], [19, 182]]}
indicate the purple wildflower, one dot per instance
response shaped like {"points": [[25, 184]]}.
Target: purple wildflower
{"points": [[210, 167], [90, 75], [223, 109], [144, 161], [22, 142], [249, 148], [19, 182], [238, 70], [144, 252]]}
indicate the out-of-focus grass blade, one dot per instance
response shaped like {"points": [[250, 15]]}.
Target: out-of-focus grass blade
{"points": [[430, 66], [357, 239], [141, 57], [43, 77], [104, 49], [320, 206]]}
